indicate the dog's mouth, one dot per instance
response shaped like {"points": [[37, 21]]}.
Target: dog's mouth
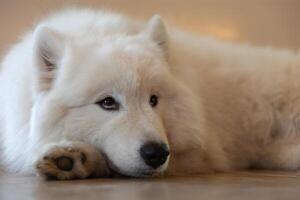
{"points": [[117, 172]]}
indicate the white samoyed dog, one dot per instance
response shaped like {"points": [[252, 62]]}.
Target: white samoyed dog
{"points": [[91, 93]]}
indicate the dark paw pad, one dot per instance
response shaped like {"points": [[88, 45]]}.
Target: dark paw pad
{"points": [[64, 163]]}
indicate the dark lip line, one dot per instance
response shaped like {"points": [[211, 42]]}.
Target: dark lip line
{"points": [[116, 171]]}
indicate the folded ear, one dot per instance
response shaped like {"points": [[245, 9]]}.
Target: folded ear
{"points": [[48, 51], [156, 30]]}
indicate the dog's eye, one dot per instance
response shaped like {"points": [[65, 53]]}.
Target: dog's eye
{"points": [[109, 103], [153, 100]]}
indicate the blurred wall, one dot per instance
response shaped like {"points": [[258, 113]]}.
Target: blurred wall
{"points": [[260, 22]]}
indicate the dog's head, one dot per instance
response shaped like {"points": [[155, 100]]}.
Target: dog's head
{"points": [[116, 93]]}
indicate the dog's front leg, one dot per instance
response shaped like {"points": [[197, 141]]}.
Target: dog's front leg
{"points": [[71, 160]]}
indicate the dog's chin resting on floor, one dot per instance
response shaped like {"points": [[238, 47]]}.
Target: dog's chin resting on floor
{"points": [[93, 94]]}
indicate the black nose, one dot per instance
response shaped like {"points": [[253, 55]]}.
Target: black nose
{"points": [[154, 154]]}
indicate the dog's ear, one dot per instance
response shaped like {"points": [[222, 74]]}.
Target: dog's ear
{"points": [[156, 30], [48, 51]]}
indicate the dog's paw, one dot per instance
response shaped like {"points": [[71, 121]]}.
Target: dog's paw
{"points": [[75, 160]]}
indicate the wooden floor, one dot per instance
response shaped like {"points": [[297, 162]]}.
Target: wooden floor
{"points": [[236, 186]]}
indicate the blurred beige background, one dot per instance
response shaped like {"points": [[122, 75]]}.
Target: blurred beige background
{"points": [[273, 23]]}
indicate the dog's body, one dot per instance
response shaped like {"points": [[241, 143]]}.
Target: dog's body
{"points": [[221, 106]]}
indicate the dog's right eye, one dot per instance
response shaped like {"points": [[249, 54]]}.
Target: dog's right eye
{"points": [[109, 103]]}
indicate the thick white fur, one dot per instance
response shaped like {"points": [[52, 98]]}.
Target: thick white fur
{"points": [[222, 106]]}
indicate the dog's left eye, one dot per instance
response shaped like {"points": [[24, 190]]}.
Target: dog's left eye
{"points": [[109, 103], [153, 101]]}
